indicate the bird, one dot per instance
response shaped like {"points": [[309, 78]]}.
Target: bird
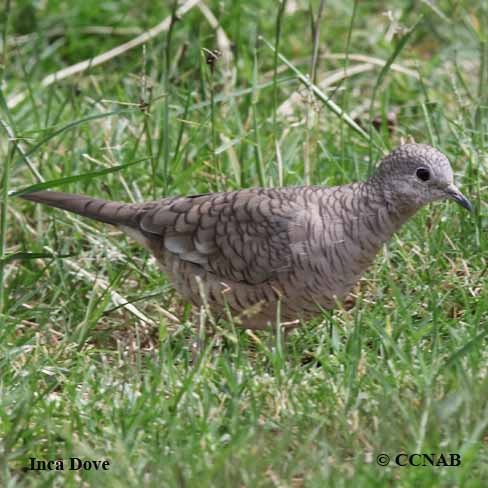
{"points": [[276, 255]]}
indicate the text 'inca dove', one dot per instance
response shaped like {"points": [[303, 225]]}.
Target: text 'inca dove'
{"points": [[305, 247]]}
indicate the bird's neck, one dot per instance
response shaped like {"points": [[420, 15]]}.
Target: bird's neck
{"points": [[358, 220], [383, 213], [397, 208]]}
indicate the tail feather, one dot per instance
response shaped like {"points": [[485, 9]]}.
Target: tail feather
{"points": [[94, 208]]}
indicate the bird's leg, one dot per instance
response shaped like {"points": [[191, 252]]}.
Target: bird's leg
{"points": [[280, 338], [197, 344]]}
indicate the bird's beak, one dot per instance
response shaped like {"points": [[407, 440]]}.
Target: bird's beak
{"points": [[456, 195]]}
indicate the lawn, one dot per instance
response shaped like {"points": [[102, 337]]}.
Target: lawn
{"points": [[95, 356]]}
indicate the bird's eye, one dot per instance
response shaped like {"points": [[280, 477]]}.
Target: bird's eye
{"points": [[422, 174]]}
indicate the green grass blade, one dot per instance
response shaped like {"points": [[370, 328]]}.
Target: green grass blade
{"points": [[321, 95], [476, 341], [72, 179], [383, 73], [76, 123], [26, 256]]}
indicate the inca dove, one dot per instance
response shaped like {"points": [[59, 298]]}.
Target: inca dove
{"points": [[305, 247]]}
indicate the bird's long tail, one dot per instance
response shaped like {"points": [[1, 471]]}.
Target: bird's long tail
{"points": [[103, 210]]}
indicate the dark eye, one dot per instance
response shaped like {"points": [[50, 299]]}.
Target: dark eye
{"points": [[422, 174]]}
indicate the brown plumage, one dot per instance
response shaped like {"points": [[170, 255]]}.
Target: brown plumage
{"points": [[305, 247]]}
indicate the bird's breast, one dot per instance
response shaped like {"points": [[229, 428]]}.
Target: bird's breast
{"points": [[336, 253]]}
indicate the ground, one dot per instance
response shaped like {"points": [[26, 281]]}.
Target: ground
{"points": [[94, 343]]}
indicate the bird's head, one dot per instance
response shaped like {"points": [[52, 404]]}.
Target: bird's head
{"points": [[413, 175]]}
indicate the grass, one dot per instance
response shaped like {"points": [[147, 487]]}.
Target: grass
{"points": [[404, 370]]}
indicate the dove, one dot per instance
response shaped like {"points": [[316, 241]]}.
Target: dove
{"points": [[303, 247]]}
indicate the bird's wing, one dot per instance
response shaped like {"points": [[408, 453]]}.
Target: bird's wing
{"points": [[245, 236]]}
